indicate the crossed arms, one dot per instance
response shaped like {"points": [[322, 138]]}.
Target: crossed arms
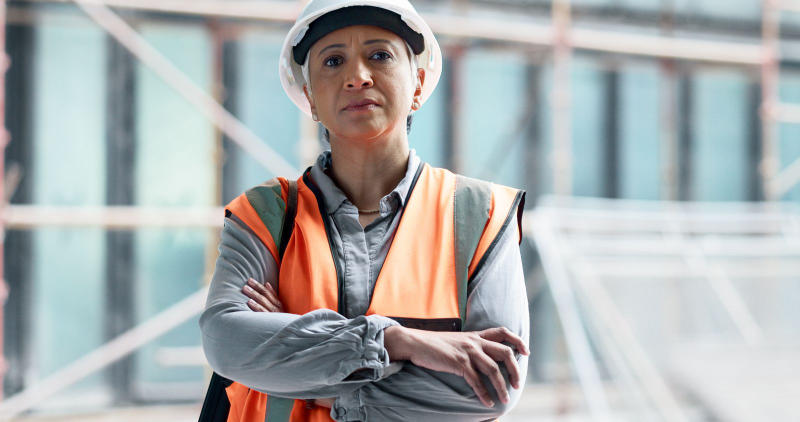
{"points": [[372, 367]]}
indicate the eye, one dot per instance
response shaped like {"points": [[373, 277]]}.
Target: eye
{"points": [[381, 56], [332, 61]]}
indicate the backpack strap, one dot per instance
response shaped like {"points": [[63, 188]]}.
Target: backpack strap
{"points": [[288, 219], [216, 405]]}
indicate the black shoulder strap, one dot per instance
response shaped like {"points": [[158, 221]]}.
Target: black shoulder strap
{"points": [[288, 219], [216, 405]]}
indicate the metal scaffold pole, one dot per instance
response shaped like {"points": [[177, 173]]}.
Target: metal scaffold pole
{"points": [[770, 27], [561, 98], [4, 138], [777, 178]]}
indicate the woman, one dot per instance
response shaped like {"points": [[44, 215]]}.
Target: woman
{"points": [[398, 293]]}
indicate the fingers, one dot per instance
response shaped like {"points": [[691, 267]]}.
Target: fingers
{"points": [[503, 334], [490, 368], [269, 292], [262, 298], [255, 306], [502, 353], [474, 381]]}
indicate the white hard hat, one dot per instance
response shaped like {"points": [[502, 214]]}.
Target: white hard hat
{"points": [[415, 31]]}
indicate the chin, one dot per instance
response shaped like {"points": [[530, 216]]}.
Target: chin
{"points": [[359, 132]]}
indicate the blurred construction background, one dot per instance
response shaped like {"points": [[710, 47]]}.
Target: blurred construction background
{"points": [[658, 140]]}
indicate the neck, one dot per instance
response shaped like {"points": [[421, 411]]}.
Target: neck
{"points": [[368, 170]]}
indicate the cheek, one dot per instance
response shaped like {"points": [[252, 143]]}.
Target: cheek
{"points": [[324, 98], [402, 91]]}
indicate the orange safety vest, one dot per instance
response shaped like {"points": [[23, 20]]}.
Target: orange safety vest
{"points": [[448, 225]]}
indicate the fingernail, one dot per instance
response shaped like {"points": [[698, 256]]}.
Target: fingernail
{"points": [[248, 289], [508, 398], [491, 403]]}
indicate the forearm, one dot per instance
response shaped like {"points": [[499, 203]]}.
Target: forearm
{"points": [[421, 394], [497, 298], [299, 356]]}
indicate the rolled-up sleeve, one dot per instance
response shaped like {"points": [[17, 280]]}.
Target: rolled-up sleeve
{"points": [[319, 354], [497, 297]]}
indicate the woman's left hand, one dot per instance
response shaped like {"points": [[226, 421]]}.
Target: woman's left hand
{"points": [[263, 298]]}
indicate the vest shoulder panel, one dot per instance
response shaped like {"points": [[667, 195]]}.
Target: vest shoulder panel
{"points": [[262, 208]]}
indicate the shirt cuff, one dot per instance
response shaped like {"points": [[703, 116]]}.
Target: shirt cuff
{"points": [[374, 356], [348, 407]]}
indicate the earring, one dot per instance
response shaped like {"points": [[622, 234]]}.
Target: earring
{"points": [[314, 116], [415, 105]]}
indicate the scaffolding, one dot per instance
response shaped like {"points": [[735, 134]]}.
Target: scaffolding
{"points": [[559, 36], [777, 181], [598, 252]]}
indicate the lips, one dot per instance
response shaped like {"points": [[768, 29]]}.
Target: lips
{"points": [[359, 105]]}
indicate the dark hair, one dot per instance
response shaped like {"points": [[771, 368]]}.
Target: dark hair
{"points": [[327, 135]]}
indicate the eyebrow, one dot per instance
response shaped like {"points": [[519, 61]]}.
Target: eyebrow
{"points": [[330, 46], [375, 41]]}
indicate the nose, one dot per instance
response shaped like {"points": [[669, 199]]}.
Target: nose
{"points": [[358, 76]]}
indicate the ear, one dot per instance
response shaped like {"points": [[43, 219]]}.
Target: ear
{"points": [[420, 82], [308, 97]]}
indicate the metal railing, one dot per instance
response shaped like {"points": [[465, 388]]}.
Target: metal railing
{"points": [[586, 244]]}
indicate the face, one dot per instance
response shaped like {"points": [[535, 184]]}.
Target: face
{"points": [[361, 83]]}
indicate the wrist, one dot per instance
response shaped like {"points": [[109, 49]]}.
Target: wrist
{"points": [[395, 341]]}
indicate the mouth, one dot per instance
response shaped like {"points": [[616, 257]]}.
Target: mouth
{"points": [[362, 105]]}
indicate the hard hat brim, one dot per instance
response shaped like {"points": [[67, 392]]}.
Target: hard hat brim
{"points": [[356, 15]]}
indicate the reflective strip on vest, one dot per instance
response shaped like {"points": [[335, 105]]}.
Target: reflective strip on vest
{"points": [[449, 221]]}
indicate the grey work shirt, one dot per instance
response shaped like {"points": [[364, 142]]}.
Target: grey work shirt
{"points": [[324, 354]]}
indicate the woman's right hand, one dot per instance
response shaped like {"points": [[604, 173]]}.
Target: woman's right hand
{"points": [[461, 353]]}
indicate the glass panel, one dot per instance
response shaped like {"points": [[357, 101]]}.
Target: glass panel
{"points": [[640, 167], [588, 129], [545, 182], [732, 9], [174, 167], [720, 136], [790, 133], [494, 99], [427, 130], [264, 107], [69, 165]]}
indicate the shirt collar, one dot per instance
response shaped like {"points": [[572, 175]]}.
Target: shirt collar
{"points": [[334, 197]]}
